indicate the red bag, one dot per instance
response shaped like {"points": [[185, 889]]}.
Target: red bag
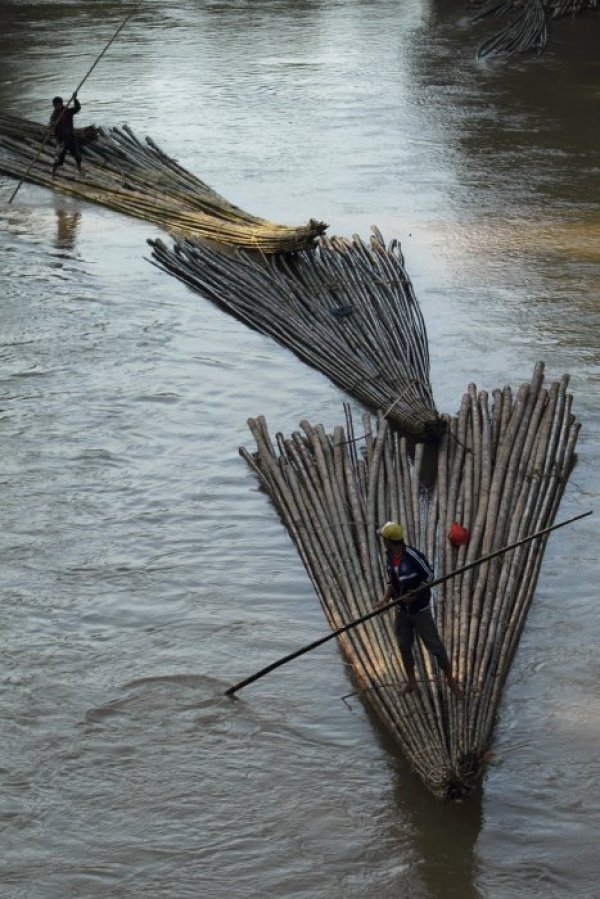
{"points": [[458, 535]]}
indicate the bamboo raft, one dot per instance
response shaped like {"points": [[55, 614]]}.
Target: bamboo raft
{"points": [[528, 27], [501, 471], [137, 178], [346, 308]]}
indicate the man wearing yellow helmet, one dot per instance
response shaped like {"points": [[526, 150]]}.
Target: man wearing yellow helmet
{"points": [[408, 569]]}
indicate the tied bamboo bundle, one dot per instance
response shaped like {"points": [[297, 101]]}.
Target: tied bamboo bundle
{"points": [[502, 472], [345, 308], [528, 29], [139, 179]]}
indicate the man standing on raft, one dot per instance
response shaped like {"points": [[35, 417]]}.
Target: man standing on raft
{"points": [[61, 124], [408, 569]]}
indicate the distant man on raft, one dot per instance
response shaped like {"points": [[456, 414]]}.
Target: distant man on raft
{"points": [[407, 569], [61, 124]]}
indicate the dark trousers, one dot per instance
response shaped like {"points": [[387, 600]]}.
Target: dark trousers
{"points": [[70, 145], [408, 624]]}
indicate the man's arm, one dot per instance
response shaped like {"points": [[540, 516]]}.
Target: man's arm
{"points": [[385, 598], [420, 564], [407, 600], [77, 105], [422, 569]]}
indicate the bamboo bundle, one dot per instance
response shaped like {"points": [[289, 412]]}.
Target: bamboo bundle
{"points": [[138, 179], [528, 30], [345, 308], [501, 472]]}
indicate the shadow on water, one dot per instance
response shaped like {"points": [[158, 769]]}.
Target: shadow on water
{"points": [[445, 834], [66, 229]]}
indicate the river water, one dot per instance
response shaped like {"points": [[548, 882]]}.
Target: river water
{"points": [[142, 570]]}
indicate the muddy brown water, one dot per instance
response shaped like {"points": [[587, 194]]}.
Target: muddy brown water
{"points": [[142, 570]]}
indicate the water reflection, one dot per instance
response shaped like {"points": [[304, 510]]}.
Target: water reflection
{"points": [[444, 834], [66, 228]]}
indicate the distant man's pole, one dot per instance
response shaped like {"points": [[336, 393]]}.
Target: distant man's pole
{"points": [[73, 95], [352, 624]]}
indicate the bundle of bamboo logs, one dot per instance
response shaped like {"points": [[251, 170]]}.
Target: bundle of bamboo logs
{"points": [[345, 308], [138, 179], [528, 29], [501, 472]]}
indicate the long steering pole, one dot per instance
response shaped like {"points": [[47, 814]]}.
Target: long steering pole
{"points": [[352, 624], [73, 95]]}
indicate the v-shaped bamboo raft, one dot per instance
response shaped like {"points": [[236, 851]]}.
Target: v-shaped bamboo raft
{"points": [[501, 472], [137, 178]]}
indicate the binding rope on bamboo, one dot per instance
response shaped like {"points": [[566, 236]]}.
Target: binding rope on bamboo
{"points": [[137, 178], [528, 29], [508, 487], [346, 308]]}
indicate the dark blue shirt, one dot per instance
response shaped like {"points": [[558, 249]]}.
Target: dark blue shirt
{"points": [[407, 573]]}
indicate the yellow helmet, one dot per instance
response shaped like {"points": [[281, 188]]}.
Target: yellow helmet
{"points": [[392, 531]]}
